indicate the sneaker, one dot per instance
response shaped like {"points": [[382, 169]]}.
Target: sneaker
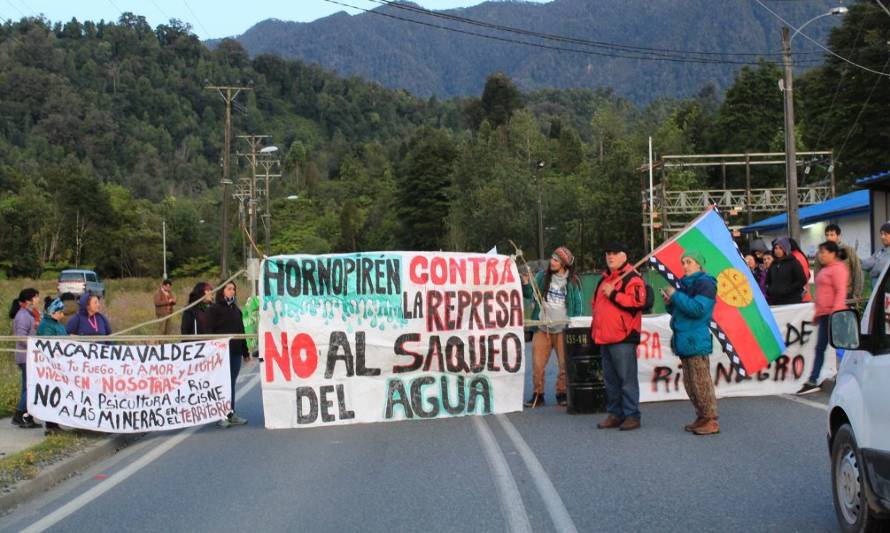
{"points": [[561, 399], [236, 420], [807, 388], [537, 400], [224, 423], [28, 422]]}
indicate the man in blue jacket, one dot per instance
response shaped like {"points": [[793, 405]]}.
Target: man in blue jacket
{"points": [[691, 308]]}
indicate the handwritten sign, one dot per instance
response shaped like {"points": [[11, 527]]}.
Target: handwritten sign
{"points": [[122, 388], [389, 336]]}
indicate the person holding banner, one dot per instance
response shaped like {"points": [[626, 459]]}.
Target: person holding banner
{"points": [[224, 317], [88, 320], [194, 319], [832, 283], [560, 289], [24, 316], [692, 308], [617, 306], [51, 326]]}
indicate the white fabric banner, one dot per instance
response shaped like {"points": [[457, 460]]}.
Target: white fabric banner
{"points": [[389, 336], [660, 371], [125, 388]]}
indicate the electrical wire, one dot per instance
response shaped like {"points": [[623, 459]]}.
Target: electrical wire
{"points": [[651, 57], [561, 38], [207, 33], [820, 45]]}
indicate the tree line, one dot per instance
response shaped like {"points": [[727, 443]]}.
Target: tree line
{"points": [[108, 130]]}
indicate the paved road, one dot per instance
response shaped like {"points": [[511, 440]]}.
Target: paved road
{"points": [[541, 470]]}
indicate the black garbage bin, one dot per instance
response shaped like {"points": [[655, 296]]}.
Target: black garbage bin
{"points": [[584, 373]]}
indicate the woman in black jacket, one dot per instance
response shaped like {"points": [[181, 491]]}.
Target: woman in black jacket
{"points": [[194, 319], [224, 316], [785, 279]]}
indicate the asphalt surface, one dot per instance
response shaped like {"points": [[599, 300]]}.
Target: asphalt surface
{"points": [[540, 470]]}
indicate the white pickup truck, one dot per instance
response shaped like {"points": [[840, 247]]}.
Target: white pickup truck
{"points": [[859, 415]]}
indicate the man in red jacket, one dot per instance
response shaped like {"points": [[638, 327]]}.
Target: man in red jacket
{"points": [[617, 319]]}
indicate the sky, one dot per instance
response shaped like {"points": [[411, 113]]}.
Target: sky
{"points": [[209, 18]]}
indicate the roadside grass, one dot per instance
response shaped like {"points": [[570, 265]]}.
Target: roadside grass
{"points": [[27, 463]]}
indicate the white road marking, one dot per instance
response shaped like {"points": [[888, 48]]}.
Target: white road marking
{"points": [[512, 506], [113, 480], [804, 401], [562, 521]]}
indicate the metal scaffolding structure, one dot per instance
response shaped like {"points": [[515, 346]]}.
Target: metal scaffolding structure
{"points": [[673, 209]]}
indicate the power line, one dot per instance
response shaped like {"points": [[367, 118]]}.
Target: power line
{"points": [[562, 38], [651, 57], [168, 17], [820, 45], [207, 33]]}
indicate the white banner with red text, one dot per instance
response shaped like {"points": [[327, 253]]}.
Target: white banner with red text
{"points": [[127, 388], [383, 336], [660, 371]]}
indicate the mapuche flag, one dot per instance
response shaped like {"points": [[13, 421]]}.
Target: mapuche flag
{"points": [[742, 320]]}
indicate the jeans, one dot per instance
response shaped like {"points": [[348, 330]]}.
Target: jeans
{"points": [[622, 381], [821, 345], [23, 401], [234, 369]]}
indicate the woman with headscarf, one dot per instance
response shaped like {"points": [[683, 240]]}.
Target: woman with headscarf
{"points": [[194, 319], [560, 290], [51, 326], [224, 317], [691, 307], [25, 317]]}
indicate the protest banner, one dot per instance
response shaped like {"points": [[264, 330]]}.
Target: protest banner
{"points": [[124, 388], [389, 336], [661, 374]]}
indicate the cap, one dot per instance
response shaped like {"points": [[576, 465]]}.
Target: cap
{"points": [[615, 247]]}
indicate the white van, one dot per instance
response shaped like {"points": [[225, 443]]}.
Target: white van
{"points": [[859, 415]]}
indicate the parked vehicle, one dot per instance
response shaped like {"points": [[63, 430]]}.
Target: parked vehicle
{"points": [[79, 281], [859, 415]]}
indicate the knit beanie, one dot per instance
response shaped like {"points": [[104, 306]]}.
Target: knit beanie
{"points": [[55, 306], [695, 256], [565, 256]]}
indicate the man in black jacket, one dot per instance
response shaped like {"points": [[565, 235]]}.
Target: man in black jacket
{"points": [[785, 279]]}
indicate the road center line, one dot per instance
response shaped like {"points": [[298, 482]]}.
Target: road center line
{"points": [[113, 480], [512, 506], [811, 403], [562, 521]]}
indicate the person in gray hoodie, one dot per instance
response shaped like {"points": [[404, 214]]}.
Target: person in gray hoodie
{"points": [[875, 264]]}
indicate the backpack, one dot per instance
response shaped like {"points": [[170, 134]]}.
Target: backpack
{"points": [[648, 301]]}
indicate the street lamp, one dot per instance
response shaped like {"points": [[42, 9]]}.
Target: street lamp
{"points": [[790, 148]]}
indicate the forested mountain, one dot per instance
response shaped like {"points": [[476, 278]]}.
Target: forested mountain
{"points": [[428, 61], [106, 129]]}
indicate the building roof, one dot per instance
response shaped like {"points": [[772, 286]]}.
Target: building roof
{"points": [[843, 206], [874, 181]]}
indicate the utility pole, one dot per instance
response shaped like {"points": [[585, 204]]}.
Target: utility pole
{"points": [[228, 93], [268, 162], [164, 240], [253, 142], [790, 147]]}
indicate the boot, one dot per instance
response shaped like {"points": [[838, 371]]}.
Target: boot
{"points": [[29, 423], [51, 429], [710, 427], [630, 423], [610, 422], [699, 422], [561, 399], [17, 418], [537, 400]]}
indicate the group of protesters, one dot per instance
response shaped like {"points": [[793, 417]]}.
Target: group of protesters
{"points": [[210, 314], [782, 272]]}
